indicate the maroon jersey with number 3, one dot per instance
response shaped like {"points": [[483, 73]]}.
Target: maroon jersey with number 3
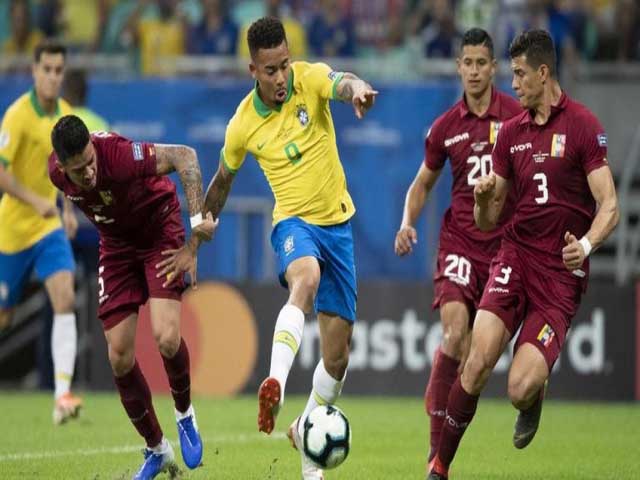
{"points": [[548, 167], [467, 141]]}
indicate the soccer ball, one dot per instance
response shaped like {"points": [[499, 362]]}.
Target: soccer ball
{"points": [[326, 436]]}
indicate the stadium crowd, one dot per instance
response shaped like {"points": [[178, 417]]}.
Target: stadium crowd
{"points": [[395, 30]]}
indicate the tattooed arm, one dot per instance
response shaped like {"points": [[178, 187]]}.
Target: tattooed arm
{"points": [[352, 89], [182, 159], [218, 190]]}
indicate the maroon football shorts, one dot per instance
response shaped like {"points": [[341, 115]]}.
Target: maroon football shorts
{"points": [[127, 273], [459, 278], [521, 292]]}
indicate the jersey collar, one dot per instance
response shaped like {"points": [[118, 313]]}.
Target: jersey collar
{"points": [[38, 108], [555, 110], [492, 111], [261, 108]]}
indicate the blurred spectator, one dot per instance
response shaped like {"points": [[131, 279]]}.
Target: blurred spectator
{"points": [[330, 33], [440, 37], [216, 34], [295, 32], [79, 22], [159, 35], [114, 37], [75, 92], [628, 26], [476, 13], [371, 21], [23, 38], [510, 21], [50, 19]]}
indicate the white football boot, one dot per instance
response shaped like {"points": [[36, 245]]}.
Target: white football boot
{"points": [[309, 470]]}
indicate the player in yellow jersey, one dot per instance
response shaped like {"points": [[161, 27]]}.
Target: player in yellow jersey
{"points": [[285, 122], [31, 233]]}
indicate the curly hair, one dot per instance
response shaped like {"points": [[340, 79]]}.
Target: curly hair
{"points": [[266, 32], [537, 46]]}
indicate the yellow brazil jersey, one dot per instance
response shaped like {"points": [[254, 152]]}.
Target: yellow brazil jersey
{"points": [[25, 146], [295, 145]]}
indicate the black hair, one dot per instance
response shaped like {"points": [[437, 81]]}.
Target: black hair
{"points": [[538, 47], [267, 32], [478, 36], [69, 137], [49, 46]]}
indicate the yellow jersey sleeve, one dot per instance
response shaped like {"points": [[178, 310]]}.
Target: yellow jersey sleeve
{"points": [[320, 78], [10, 136], [234, 151]]}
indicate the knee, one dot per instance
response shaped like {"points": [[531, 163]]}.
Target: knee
{"points": [[521, 390], [121, 359], [168, 341], [305, 287], [453, 340]]}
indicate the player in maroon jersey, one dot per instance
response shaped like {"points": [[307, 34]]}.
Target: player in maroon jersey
{"points": [[554, 157], [121, 187], [465, 134]]}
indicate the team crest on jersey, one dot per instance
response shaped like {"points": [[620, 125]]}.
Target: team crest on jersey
{"points": [[545, 337], [288, 245], [494, 128], [107, 197], [301, 113], [558, 143]]}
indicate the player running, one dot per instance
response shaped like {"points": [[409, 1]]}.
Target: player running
{"points": [[554, 156], [122, 189], [465, 134], [32, 236], [285, 122]]}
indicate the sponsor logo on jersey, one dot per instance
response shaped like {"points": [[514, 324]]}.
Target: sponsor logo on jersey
{"points": [[138, 154], [301, 113], [288, 245], [74, 199], [107, 197], [602, 139], [4, 139], [494, 127], [521, 147], [458, 138], [545, 337], [558, 143]]}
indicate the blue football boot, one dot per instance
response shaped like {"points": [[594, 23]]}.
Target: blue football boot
{"points": [[190, 441], [155, 463]]}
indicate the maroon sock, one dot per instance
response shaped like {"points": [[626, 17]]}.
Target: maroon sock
{"points": [[461, 408], [443, 374], [136, 399], [177, 368]]}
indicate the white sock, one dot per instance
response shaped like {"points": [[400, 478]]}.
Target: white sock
{"points": [[180, 415], [63, 350], [287, 335], [326, 390], [162, 447]]}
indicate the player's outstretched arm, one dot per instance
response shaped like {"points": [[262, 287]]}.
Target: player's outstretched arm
{"points": [[604, 192], [218, 190], [352, 89], [490, 194], [413, 204], [11, 186]]}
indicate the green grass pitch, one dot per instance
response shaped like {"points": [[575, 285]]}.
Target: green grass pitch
{"points": [[576, 441]]}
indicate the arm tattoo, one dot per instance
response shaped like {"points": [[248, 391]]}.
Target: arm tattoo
{"points": [[218, 192], [183, 160]]}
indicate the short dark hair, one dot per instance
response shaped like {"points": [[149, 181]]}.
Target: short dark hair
{"points": [[477, 36], [267, 32], [69, 137], [538, 47], [49, 46]]}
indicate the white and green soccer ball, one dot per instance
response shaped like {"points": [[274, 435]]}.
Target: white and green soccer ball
{"points": [[326, 436]]}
